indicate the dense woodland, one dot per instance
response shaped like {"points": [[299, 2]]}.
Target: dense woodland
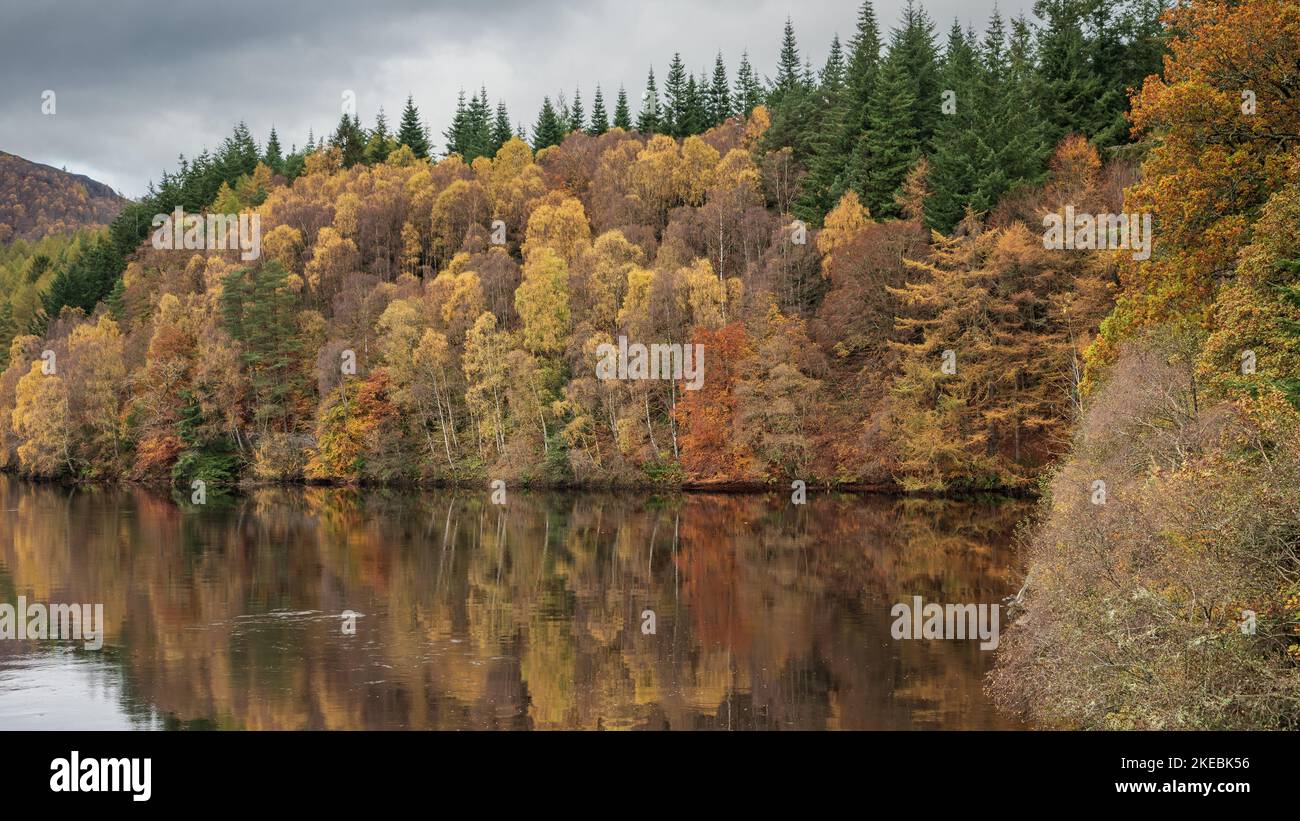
{"points": [[476, 360]]}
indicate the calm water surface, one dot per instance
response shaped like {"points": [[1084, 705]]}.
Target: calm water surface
{"points": [[477, 616]]}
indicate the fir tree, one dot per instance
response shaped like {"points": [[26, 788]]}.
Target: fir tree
{"points": [[272, 155], [788, 75], [501, 131], [962, 173], [675, 102], [622, 115], [719, 93], [599, 117], [549, 130], [749, 94], [650, 119], [410, 132], [577, 116], [886, 150]]}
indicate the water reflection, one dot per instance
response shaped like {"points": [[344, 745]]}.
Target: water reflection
{"points": [[471, 615]]}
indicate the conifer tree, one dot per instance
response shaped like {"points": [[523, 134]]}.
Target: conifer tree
{"points": [[1070, 89], [962, 172], [549, 130], [577, 116], [675, 101], [622, 114], [272, 155], [650, 119], [919, 58], [749, 93], [826, 158], [889, 146], [410, 132], [719, 93], [501, 131], [788, 74], [599, 117]]}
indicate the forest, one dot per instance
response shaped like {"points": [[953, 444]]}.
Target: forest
{"points": [[858, 249]]}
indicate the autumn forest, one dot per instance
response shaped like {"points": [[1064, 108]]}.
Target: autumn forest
{"points": [[857, 246]]}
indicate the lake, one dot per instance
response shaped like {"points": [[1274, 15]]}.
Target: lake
{"points": [[337, 608]]}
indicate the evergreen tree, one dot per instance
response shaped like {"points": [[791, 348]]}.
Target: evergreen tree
{"points": [[827, 154], [479, 127], [501, 132], [1020, 133], [860, 73], [788, 74], [599, 117], [749, 94], [919, 57], [549, 130], [675, 102], [650, 119], [719, 93], [380, 144], [272, 155], [456, 131], [410, 133], [349, 140], [792, 103], [890, 145], [622, 115], [577, 116], [962, 172], [1070, 88]]}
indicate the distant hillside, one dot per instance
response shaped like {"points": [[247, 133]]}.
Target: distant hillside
{"points": [[37, 200]]}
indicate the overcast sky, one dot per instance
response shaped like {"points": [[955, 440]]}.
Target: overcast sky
{"points": [[138, 83]]}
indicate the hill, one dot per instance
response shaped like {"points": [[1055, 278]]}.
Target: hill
{"points": [[37, 200]]}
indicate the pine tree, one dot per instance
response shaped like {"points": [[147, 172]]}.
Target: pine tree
{"points": [[622, 115], [788, 74], [577, 116], [380, 144], [272, 155], [919, 57], [349, 140], [826, 161], [886, 150], [650, 119], [860, 73], [1020, 134], [411, 132], [548, 130], [719, 93], [479, 127], [1070, 88], [599, 117], [674, 98], [792, 103], [749, 94], [962, 172], [501, 131], [455, 133]]}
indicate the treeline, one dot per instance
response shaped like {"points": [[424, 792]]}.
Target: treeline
{"points": [[985, 111]]}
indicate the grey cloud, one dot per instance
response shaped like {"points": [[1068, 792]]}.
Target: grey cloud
{"points": [[139, 83]]}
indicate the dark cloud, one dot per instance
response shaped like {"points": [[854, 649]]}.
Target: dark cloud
{"points": [[138, 83]]}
